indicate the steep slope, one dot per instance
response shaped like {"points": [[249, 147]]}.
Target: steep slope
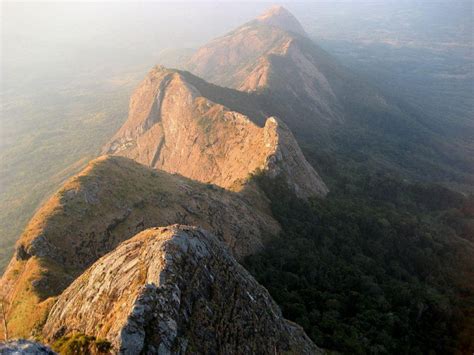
{"points": [[344, 122], [176, 290], [294, 78], [108, 202], [173, 126], [272, 54]]}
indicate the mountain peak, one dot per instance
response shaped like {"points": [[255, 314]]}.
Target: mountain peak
{"points": [[175, 290], [172, 106], [280, 17]]}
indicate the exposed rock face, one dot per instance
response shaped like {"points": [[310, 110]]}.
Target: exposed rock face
{"points": [[172, 126], [272, 55], [26, 347], [107, 203], [178, 123], [175, 290], [229, 59]]}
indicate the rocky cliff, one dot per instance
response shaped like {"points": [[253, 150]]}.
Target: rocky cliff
{"points": [[176, 127], [187, 154], [175, 290], [272, 53], [272, 56], [107, 203]]}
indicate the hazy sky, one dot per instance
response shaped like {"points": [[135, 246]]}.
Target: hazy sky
{"points": [[38, 36]]}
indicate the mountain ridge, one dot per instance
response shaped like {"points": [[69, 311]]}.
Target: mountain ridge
{"points": [[273, 61], [108, 202], [160, 292], [338, 116], [192, 153], [209, 142]]}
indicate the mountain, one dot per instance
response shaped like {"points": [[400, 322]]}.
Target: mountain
{"points": [[369, 268], [174, 289], [218, 139], [111, 200], [180, 124], [339, 118], [272, 54]]}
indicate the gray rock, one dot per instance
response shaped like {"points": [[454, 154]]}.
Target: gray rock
{"points": [[175, 290], [23, 346]]}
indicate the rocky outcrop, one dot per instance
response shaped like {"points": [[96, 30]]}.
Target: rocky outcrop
{"points": [[272, 56], [175, 290], [110, 201], [241, 58], [228, 60], [24, 347], [172, 126]]}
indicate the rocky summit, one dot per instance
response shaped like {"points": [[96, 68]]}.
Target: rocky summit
{"points": [[280, 17], [179, 124], [272, 57], [175, 290], [273, 54]]}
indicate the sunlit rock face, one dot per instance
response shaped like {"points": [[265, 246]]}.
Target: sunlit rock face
{"points": [[173, 126], [272, 54], [175, 290]]}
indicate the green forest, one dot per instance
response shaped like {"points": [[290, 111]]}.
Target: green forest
{"points": [[378, 266]]}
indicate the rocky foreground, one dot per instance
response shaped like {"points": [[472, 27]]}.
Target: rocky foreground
{"points": [[175, 290], [110, 201]]}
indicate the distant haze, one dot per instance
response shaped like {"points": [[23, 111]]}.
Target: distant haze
{"points": [[83, 35]]}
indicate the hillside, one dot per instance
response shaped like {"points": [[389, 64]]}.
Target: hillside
{"points": [[338, 117], [265, 151], [174, 289], [173, 126], [112, 199]]}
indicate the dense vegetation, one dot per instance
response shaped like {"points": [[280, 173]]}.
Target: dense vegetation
{"points": [[376, 267]]}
